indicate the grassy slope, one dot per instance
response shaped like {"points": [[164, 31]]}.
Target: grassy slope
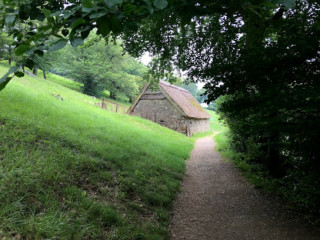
{"points": [[70, 170], [220, 134], [215, 125], [112, 105]]}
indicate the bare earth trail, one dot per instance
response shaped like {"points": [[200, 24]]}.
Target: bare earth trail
{"points": [[216, 202]]}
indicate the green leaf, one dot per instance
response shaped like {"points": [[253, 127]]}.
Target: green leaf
{"points": [[58, 45], [115, 25], [19, 74], [78, 22], [57, 13], [4, 83], [29, 63], [160, 4], [87, 10], [46, 13], [87, 3], [83, 29], [97, 15], [78, 41], [21, 49], [268, 4], [103, 26], [5, 79], [40, 16], [289, 3], [12, 70], [10, 18], [44, 28], [112, 3], [85, 34], [39, 52]]}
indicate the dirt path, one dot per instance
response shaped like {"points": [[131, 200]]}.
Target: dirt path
{"points": [[217, 203]]}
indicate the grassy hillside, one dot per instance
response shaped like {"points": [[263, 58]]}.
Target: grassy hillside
{"points": [[70, 170], [110, 105], [215, 124]]}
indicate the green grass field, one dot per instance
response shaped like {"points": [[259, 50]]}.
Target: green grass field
{"points": [[70, 170], [111, 105], [215, 124]]}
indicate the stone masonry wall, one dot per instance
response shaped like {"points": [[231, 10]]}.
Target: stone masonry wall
{"points": [[154, 106], [199, 125]]}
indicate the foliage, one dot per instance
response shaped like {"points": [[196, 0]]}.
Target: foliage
{"points": [[5, 46], [100, 66], [262, 54], [44, 62], [64, 21], [265, 59], [193, 89], [70, 170]]}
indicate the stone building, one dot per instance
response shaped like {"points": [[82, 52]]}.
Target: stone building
{"points": [[172, 107]]}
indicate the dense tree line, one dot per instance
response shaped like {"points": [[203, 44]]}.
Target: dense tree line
{"points": [[5, 47], [194, 90], [261, 55], [100, 66], [266, 63]]}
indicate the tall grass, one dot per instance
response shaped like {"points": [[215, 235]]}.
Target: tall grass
{"points": [[70, 170]]}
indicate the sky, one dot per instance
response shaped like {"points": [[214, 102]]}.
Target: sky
{"points": [[146, 59]]}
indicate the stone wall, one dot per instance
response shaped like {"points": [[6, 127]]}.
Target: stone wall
{"points": [[154, 106], [199, 125]]}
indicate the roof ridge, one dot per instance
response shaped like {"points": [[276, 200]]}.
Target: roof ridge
{"points": [[173, 86], [184, 100]]}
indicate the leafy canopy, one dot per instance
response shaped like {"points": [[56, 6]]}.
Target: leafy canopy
{"points": [[101, 66], [72, 21]]}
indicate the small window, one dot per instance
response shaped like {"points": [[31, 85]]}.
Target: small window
{"points": [[161, 121]]}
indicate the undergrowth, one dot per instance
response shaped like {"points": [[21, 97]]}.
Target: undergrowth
{"points": [[282, 188]]}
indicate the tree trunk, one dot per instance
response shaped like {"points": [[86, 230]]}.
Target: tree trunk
{"points": [[275, 162], [35, 71], [44, 74], [10, 54], [112, 95], [23, 69], [89, 86]]}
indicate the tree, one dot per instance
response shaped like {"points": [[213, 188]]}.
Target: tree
{"points": [[262, 54], [5, 47], [74, 20], [101, 66], [199, 94], [66, 21], [266, 62], [44, 63]]}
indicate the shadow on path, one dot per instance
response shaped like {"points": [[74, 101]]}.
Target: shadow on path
{"points": [[216, 202]]}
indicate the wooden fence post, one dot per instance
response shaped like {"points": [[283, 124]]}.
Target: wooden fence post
{"points": [[103, 103]]}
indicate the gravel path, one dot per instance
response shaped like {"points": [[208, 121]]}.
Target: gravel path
{"points": [[217, 203]]}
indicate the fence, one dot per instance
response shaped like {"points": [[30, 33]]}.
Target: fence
{"points": [[112, 107]]}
